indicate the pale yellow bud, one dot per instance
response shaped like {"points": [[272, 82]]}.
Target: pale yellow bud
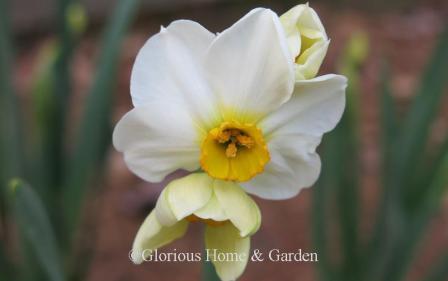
{"points": [[307, 40]]}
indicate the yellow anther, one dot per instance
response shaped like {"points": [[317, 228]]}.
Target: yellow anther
{"points": [[245, 141], [223, 136], [231, 150], [234, 151]]}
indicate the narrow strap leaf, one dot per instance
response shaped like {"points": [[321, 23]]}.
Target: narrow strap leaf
{"points": [[209, 272], [381, 244], [418, 221], [402, 224], [423, 111], [339, 175], [10, 149], [35, 227], [94, 132], [6, 268], [320, 229]]}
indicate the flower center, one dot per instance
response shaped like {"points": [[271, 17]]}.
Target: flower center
{"points": [[234, 151], [233, 139]]}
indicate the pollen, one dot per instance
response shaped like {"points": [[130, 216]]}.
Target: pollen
{"points": [[234, 139], [245, 141], [231, 149], [234, 151]]}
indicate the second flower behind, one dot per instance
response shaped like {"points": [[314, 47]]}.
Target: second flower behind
{"points": [[229, 214]]}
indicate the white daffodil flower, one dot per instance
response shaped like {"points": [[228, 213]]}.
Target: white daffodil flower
{"points": [[307, 40], [228, 104], [229, 214]]}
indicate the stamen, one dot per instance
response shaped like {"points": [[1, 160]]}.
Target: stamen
{"points": [[231, 150], [234, 151], [223, 136], [245, 141], [234, 138]]}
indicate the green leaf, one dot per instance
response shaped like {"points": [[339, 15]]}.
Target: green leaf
{"points": [[42, 136], [10, 148], [322, 192], [209, 272], [402, 221], [417, 222], [329, 196], [6, 267], [347, 164], [339, 178], [438, 161], [437, 188], [10, 127], [389, 121], [435, 160], [94, 133], [35, 226], [61, 91], [382, 241], [423, 111]]}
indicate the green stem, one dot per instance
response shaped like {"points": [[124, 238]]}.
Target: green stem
{"points": [[209, 272]]}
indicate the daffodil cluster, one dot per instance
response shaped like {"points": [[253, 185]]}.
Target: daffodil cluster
{"points": [[243, 110]]}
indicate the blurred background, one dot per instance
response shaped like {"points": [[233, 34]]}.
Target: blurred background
{"points": [[70, 208]]}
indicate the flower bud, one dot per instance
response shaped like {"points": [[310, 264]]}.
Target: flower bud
{"points": [[307, 40]]}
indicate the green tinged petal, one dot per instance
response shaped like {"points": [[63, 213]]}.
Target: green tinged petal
{"points": [[163, 211], [189, 194], [310, 61], [153, 235], [212, 210], [226, 239], [239, 207], [307, 40], [289, 23]]}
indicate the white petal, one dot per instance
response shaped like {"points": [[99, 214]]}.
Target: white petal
{"points": [[239, 208], [152, 235], [293, 133], [225, 239], [314, 109], [157, 139], [293, 166], [169, 67], [250, 68]]}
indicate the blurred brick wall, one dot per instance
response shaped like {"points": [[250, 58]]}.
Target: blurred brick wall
{"points": [[30, 16]]}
